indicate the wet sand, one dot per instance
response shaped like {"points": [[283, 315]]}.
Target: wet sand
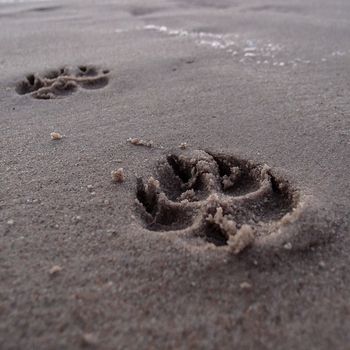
{"points": [[87, 262]]}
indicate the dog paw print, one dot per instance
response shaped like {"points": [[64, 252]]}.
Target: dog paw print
{"points": [[223, 199], [62, 82]]}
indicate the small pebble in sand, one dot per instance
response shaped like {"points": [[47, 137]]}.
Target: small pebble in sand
{"points": [[76, 218], [112, 232], [183, 145], [245, 286], [288, 246], [55, 270], [118, 175], [138, 142], [89, 339], [322, 264], [10, 222], [55, 136]]}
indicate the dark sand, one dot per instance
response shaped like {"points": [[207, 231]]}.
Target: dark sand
{"points": [[195, 74]]}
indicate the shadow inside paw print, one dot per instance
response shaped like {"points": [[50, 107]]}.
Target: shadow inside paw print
{"points": [[226, 200], [62, 82]]}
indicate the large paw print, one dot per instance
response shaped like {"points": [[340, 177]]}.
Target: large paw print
{"points": [[62, 82], [223, 199]]}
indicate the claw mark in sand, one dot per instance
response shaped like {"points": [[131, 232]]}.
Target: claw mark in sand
{"points": [[226, 201], [62, 82]]}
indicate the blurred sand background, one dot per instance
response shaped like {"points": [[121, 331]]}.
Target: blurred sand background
{"points": [[268, 80]]}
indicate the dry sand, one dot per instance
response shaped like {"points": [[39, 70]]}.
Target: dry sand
{"points": [[87, 262]]}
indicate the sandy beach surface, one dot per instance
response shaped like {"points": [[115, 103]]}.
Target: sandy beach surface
{"points": [[89, 262]]}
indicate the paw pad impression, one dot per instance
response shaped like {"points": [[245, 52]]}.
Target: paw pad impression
{"points": [[62, 82], [225, 200]]}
